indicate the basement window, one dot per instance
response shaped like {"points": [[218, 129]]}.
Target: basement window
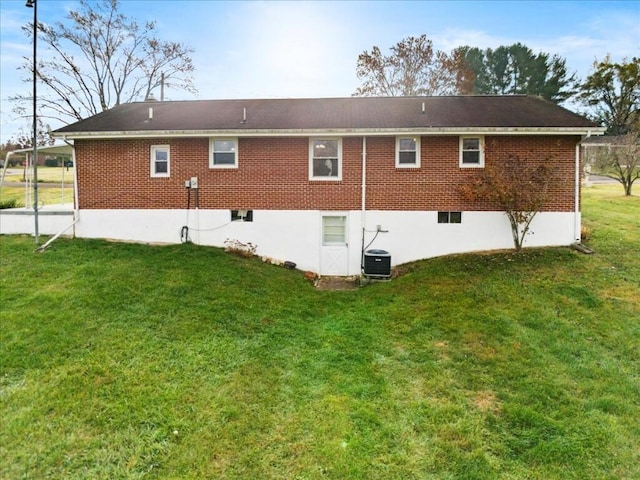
{"points": [[407, 152], [449, 217], [160, 161], [242, 215]]}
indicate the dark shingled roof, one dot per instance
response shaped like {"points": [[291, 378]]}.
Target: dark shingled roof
{"points": [[335, 114]]}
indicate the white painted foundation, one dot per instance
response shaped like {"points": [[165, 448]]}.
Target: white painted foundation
{"points": [[296, 235]]}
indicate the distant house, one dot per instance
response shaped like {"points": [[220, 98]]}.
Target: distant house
{"points": [[317, 181]]}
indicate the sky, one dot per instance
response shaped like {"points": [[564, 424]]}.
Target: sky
{"points": [[298, 49]]}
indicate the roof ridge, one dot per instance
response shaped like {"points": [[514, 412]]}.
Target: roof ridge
{"points": [[378, 97]]}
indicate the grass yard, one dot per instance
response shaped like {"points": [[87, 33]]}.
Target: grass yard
{"points": [[183, 362], [50, 191], [45, 174], [46, 196]]}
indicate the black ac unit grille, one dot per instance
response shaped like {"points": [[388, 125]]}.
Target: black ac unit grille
{"points": [[377, 263]]}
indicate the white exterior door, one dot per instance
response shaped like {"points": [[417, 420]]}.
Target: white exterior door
{"points": [[334, 253]]}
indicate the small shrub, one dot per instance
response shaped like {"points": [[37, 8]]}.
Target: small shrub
{"points": [[10, 203], [241, 249]]}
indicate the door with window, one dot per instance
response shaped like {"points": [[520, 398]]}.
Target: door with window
{"points": [[334, 253]]}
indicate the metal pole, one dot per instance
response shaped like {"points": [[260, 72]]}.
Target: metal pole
{"points": [[34, 4]]}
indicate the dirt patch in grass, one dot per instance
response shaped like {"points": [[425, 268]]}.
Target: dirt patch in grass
{"points": [[337, 283], [486, 401]]}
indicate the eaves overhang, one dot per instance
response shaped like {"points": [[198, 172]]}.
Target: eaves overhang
{"points": [[346, 132]]}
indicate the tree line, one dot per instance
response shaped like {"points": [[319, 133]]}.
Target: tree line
{"points": [[414, 67]]}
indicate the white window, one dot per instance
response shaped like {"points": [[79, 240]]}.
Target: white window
{"points": [[223, 153], [325, 159], [407, 152], [334, 230], [471, 152], [160, 161]]}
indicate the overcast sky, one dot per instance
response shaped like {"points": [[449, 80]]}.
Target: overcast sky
{"points": [[309, 49]]}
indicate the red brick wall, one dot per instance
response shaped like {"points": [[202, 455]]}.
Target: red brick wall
{"points": [[273, 174], [435, 185]]}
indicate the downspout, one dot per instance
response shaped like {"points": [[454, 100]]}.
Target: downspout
{"points": [[577, 234], [42, 248], [76, 205], [363, 196]]}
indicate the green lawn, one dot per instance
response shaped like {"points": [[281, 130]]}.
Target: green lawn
{"points": [[48, 194], [45, 175], [184, 362]]}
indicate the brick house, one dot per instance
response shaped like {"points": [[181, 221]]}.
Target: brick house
{"points": [[316, 181]]}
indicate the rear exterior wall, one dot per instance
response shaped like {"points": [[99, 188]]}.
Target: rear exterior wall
{"points": [[273, 174]]}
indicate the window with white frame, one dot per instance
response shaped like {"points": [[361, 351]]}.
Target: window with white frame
{"points": [[471, 151], [160, 161], [223, 153], [334, 230], [325, 159], [407, 152]]}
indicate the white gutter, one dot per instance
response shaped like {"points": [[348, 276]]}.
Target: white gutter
{"points": [[346, 132]]}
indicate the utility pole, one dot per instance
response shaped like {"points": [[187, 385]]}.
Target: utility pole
{"points": [[33, 4]]}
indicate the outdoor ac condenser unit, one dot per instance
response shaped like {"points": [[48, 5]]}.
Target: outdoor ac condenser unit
{"points": [[377, 264]]}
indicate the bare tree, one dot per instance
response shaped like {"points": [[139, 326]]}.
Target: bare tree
{"points": [[620, 160], [24, 137], [412, 68], [100, 58], [519, 187]]}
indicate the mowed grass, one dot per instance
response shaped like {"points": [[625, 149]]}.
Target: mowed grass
{"points": [[50, 188], [133, 361], [46, 196], [45, 174]]}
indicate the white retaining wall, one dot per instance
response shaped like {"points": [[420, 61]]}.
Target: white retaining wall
{"points": [[51, 221]]}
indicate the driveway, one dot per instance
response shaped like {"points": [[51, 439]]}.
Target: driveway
{"points": [[600, 180]]}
